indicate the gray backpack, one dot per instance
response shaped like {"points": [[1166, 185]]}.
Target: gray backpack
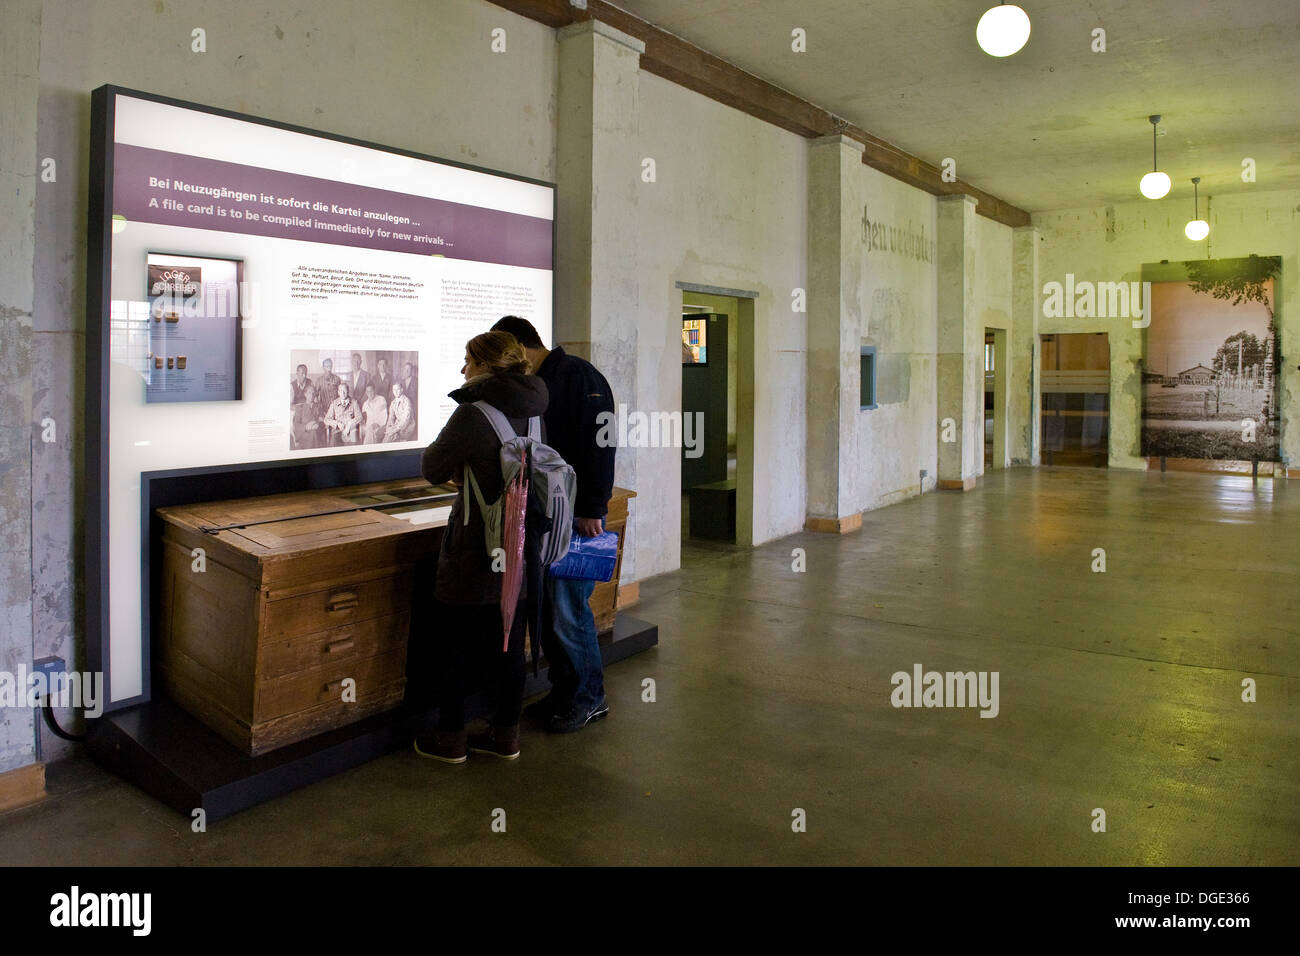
{"points": [[552, 484]]}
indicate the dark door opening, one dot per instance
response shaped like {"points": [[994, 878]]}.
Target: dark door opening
{"points": [[1076, 399], [710, 326]]}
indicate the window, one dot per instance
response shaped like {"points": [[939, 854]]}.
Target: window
{"points": [[867, 374]]}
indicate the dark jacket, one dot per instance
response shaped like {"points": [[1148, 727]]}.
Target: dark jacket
{"points": [[579, 393], [465, 574]]}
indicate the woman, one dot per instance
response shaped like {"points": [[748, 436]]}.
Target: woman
{"points": [[308, 429], [399, 415], [376, 412], [343, 421], [468, 589]]}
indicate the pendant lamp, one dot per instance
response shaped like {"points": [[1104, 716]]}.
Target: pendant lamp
{"points": [[1155, 184], [1197, 229], [1003, 30]]}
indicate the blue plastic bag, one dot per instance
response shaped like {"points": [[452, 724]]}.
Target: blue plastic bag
{"points": [[589, 559]]}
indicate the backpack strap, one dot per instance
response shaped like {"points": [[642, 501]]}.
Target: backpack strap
{"points": [[505, 432], [500, 424], [471, 482]]}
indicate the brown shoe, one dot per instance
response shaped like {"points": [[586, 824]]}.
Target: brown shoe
{"points": [[445, 745], [498, 741]]}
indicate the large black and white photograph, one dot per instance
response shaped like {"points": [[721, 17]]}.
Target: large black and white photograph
{"points": [[340, 397], [1210, 377]]}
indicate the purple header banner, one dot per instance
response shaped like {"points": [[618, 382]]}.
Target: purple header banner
{"points": [[172, 189]]}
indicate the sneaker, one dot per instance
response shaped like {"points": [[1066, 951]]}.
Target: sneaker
{"points": [[577, 718], [500, 742], [447, 746], [541, 711]]}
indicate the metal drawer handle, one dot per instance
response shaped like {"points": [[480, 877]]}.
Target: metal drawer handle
{"points": [[343, 601], [338, 646]]}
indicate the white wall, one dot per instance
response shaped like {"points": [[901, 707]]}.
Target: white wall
{"points": [[728, 209], [1081, 242], [896, 305]]}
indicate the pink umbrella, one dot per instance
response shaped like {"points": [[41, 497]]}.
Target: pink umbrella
{"points": [[512, 542]]}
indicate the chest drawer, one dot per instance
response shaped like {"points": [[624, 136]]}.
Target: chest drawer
{"points": [[325, 685], [332, 607], [374, 637]]}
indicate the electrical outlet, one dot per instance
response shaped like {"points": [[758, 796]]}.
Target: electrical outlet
{"points": [[55, 670]]}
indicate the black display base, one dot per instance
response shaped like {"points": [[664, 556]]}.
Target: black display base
{"points": [[164, 751]]}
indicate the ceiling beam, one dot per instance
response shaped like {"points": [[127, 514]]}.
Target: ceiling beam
{"points": [[675, 59]]}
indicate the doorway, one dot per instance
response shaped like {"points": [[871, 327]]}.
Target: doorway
{"points": [[995, 398], [711, 333], [1076, 399]]}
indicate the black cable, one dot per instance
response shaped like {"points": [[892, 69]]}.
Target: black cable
{"points": [[53, 724]]}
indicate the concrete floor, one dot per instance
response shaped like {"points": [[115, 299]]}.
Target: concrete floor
{"points": [[1119, 690]]}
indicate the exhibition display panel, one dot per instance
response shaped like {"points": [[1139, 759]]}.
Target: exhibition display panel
{"points": [[275, 318], [262, 293]]}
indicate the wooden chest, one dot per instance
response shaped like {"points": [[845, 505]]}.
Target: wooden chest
{"points": [[604, 599], [298, 625], [292, 626]]}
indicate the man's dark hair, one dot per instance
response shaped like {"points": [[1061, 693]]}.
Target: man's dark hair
{"points": [[521, 329]]}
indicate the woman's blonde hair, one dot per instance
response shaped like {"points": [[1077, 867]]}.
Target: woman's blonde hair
{"points": [[499, 352]]}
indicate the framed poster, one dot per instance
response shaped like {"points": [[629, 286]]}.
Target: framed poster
{"points": [[195, 335], [1210, 365]]}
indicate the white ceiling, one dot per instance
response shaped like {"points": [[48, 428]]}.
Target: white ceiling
{"points": [[1056, 125]]}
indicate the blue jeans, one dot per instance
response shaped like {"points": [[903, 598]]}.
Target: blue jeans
{"points": [[576, 672]]}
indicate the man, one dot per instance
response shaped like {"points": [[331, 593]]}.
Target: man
{"points": [[343, 420], [399, 416], [578, 394], [383, 381], [327, 386], [409, 383], [360, 379], [308, 428], [375, 416], [298, 386]]}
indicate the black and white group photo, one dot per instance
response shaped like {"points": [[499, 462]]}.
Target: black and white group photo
{"points": [[340, 397]]}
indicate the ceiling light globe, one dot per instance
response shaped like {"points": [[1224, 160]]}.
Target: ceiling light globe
{"points": [[1003, 30], [1197, 230], [1155, 185]]}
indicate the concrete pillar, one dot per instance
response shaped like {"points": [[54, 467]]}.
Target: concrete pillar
{"points": [[1025, 406], [834, 323], [599, 177], [960, 347], [20, 43]]}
